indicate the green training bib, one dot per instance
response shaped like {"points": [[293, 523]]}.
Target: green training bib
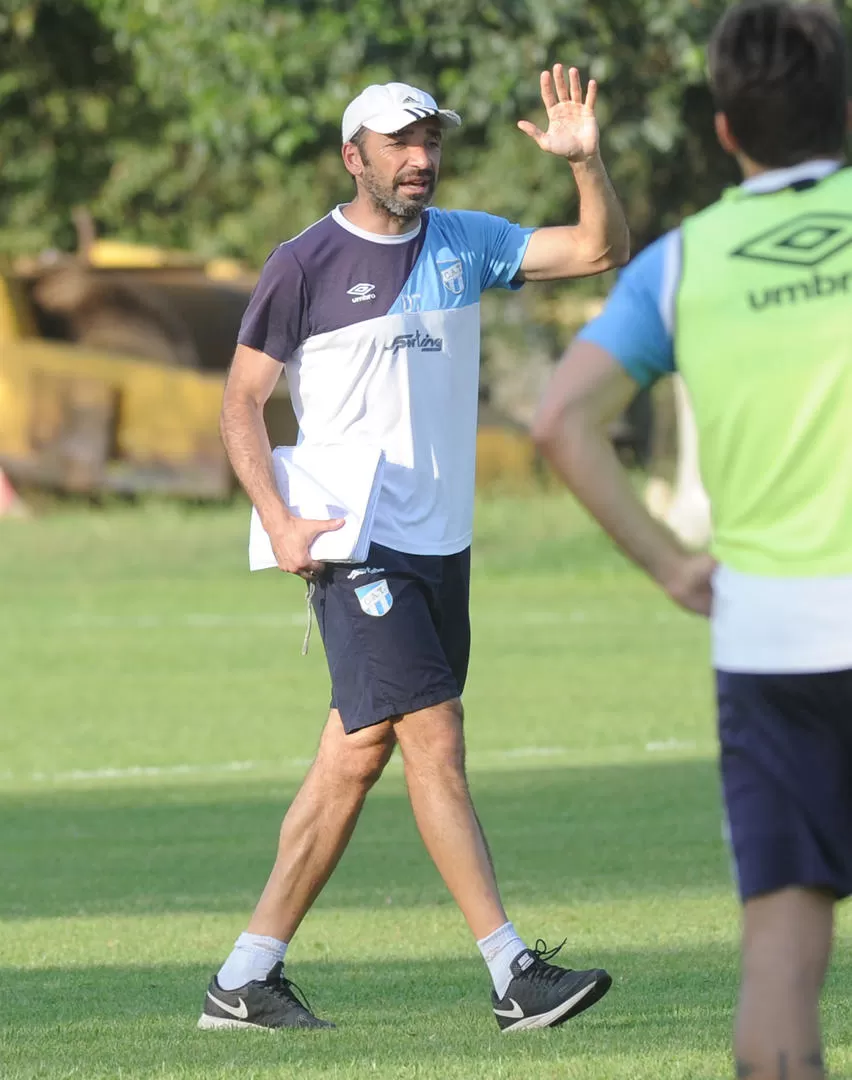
{"points": [[763, 339]]}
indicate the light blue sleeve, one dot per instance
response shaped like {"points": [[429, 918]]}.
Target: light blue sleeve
{"points": [[636, 325], [500, 245]]}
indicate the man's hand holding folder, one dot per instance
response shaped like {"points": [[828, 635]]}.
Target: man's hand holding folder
{"points": [[325, 513], [291, 539]]}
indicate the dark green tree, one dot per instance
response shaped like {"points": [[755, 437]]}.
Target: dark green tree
{"points": [[214, 125]]}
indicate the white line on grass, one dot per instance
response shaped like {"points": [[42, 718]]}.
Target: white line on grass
{"points": [[670, 744], [142, 770], [226, 620], [203, 621], [482, 757], [527, 751], [223, 621]]}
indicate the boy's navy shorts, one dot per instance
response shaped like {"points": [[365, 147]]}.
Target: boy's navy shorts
{"points": [[786, 744], [396, 631]]}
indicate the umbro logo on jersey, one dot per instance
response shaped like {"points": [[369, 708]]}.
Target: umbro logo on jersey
{"points": [[361, 292], [806, 240], [417, 341]]}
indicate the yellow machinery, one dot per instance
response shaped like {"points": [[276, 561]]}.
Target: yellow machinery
{"points": [[112, 368], [112, 365]]}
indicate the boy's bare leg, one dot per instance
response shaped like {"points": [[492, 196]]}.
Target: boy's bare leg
{"points": [[786, 948]]}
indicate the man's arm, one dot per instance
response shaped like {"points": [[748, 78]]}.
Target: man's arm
{"points": [[599, 242], [590, 388], [601, 239], [250, 383]]}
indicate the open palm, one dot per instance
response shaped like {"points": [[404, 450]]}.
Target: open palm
{"points": [[572, 130]]}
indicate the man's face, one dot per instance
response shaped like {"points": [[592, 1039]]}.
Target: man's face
{"points": [[401, 170]]}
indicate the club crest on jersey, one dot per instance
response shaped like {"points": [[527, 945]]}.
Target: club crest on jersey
{"points": [[452, 275], [376, 599]]}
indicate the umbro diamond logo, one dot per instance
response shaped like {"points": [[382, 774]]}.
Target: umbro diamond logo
{"points": [[806, 241], [515, 1013], [361, 292], [240, 1013], [810, 242]]}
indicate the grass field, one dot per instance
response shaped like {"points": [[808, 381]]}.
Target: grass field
{"points": [[157, 717]]}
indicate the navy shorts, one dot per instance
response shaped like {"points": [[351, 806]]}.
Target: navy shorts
{"points": [[396, 632], [786, 743]]}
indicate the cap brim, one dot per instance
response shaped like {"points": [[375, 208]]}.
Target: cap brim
{"points": [[397, 119]]}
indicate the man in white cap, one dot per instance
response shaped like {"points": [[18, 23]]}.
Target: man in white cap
{"points": [[374, 313]]}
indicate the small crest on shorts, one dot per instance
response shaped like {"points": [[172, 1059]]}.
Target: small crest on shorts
{"points": [[452, 275], [375, 599]]}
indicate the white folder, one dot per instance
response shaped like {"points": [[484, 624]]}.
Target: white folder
{"points": [[323, 482]]}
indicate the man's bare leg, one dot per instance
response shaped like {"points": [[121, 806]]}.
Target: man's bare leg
{"points": [[786, 948], [320, 822], [249, 990], [432, 745], [528, 991]]}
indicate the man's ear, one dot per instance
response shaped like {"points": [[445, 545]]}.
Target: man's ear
{"points": [[352, 159], [723, 134]]}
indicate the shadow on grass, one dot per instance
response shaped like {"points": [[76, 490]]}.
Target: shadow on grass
{"points": [[396, 1018], [583, 833], [396, 1013]]}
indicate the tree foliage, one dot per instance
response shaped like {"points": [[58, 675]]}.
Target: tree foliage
{"points": [[67, 101], [215, 125]]}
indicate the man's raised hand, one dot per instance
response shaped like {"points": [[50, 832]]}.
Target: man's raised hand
{"points": [[572, 130]]}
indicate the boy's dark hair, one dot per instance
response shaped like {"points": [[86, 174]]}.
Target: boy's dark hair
{"points": [[778, 71]]}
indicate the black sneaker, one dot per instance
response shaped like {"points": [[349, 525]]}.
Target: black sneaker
{"points": [[543, 995], [267, 1004]]}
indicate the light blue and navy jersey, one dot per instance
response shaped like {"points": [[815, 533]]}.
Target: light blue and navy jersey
{"points": [[380, 337]]}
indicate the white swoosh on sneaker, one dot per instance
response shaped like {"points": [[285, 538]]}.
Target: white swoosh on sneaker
{"points": [[241, 1013], [513, 1014]]}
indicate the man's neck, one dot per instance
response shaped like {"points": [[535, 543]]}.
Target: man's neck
{"points": [[371, 219]]}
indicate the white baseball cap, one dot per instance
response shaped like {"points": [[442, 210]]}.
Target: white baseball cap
{"points": [[391, 107]]}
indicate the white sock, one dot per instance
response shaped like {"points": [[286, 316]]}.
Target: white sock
{"points": [[253, 957], [498, 951]]}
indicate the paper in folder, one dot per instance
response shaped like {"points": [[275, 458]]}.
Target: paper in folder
{"points": [[325, 482]]}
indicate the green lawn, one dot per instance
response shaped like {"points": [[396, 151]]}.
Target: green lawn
{"points": [[157, 717]]}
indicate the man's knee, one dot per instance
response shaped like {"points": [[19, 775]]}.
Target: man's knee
{"points": [[434, 737], [367, 764], [357, 759]]}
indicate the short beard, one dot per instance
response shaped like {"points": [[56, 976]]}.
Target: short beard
{"points": [[387, 199]]}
